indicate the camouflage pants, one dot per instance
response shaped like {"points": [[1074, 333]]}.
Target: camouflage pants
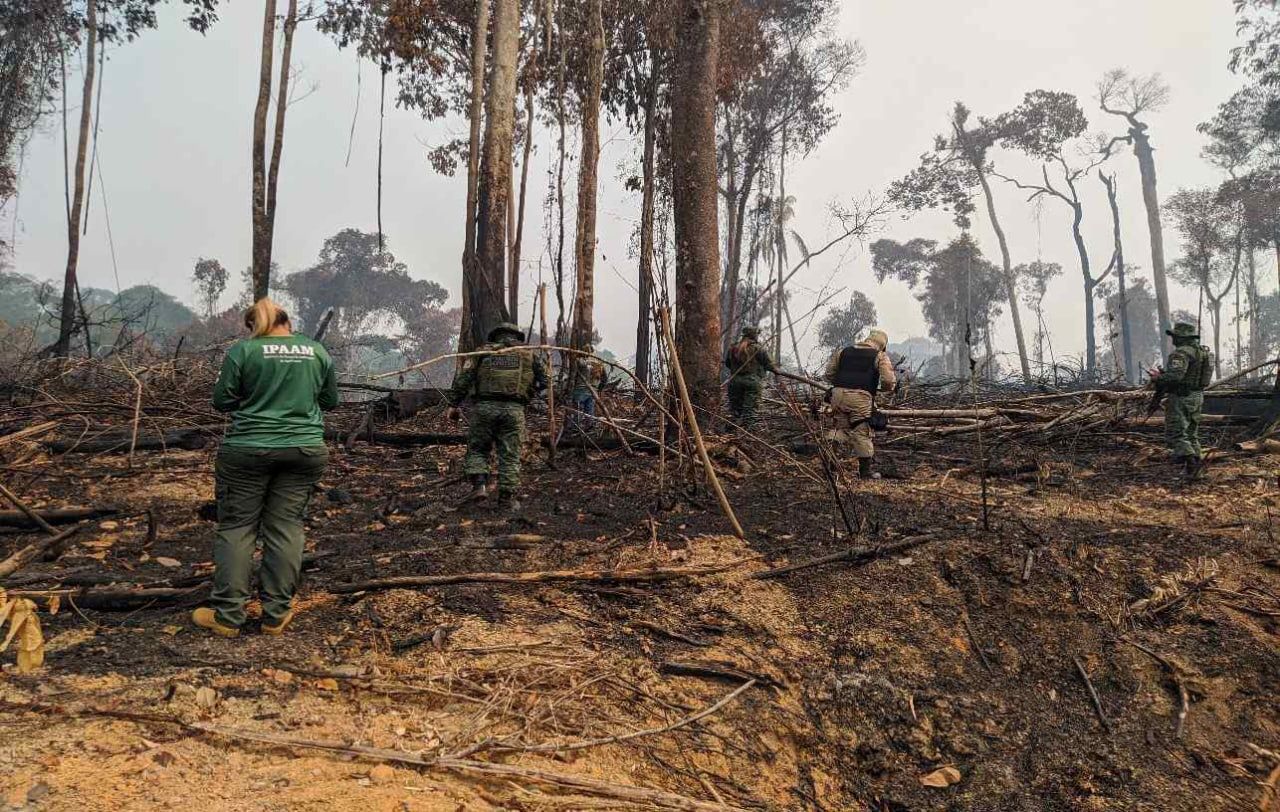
{"points": [[744, 397], [500, 424], [1182, 424]]}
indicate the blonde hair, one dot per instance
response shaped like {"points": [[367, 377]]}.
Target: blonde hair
{"points": [[264, 316]]}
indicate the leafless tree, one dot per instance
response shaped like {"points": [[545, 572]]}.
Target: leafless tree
{"points": [[1132, 98]]}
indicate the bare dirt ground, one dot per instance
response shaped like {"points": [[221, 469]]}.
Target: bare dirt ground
{"points": [[960, 662]]}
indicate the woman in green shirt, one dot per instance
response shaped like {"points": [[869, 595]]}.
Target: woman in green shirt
{"points": [[275, 385]]}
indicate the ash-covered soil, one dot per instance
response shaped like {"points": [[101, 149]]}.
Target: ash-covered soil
{"points": [[956, 662]]}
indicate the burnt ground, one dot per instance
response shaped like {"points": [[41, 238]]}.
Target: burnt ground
{"points": [[961, 652]]}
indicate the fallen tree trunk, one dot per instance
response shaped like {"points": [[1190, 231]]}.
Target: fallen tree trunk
{"points": [[186, 439], [398, 440], [654, 575], [16, 518], [34, 551], [1265, 446], [853, 555]]}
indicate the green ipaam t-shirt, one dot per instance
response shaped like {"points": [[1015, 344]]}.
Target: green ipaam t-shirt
{"points": [[276, 387]]}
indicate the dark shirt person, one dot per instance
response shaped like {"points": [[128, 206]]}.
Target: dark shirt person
{"points": [[275, 385]]}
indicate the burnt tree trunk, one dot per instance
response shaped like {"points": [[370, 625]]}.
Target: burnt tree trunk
{"points": [[693, 147], [588, 182], [479, 38], [67, 313], [1126, 341], [647, 202], [1010, 280], [261, 252], [277, 143], [1151, 199], [1090, 339], [487, 291]]}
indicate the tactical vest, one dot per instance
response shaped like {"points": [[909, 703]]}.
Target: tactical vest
{"points": [[1199, 372], [507, 376], [743, 359], [857, 368]]}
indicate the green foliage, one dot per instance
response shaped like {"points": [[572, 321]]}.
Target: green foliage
{"points": [[958, 289], [1043, 124], [372, 296], [844, 324], [211, 280]]}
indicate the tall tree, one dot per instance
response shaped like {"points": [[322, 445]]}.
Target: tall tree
{"points": [[1132, 98], [479, 44], [782, 66], [266, 175], [844, 324], [210, 278], [648, 204], [1045, 127], [947, 178], [32, 33], [959, 291], [70, 283], [1212, 245], [588, 182], [1117, 263], [1033, 281], [486, 291], [697, 227]]}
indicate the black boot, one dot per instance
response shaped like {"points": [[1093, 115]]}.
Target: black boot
{"points": [[1194, 469], [864, 468], [508, 502], [478, 489]]}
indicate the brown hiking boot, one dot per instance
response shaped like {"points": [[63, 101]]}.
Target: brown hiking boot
{"points": [[206, 618], [276, 629]]}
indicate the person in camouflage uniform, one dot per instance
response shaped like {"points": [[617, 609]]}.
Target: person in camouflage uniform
{"points": [[747, 361], [501, 384], [589, 377], [1183, 379]]}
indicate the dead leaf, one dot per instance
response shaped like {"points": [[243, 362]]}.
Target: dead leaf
{"points": [[382, 774], [55, 603], [109, 525], [167, 562], [327, 684], [282, 677], [24, 630], [171, 630], [941, 778], [206, 697]]}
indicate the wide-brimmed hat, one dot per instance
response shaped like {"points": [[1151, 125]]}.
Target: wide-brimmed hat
{"points": [[506, 327], [1183, 330]]}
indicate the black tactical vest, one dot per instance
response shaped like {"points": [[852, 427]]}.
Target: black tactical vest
{"points": [[857, 369]]}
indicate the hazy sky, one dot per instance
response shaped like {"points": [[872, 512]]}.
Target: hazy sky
{"points": [[177, 107]]}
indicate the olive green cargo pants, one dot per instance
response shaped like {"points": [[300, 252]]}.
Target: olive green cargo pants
{"points": [[1182, 424], [744, 397], [500, 424], [262, 496]]}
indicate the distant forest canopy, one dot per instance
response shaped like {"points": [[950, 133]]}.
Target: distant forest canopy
{"points": [[720, 101], [383, 318]]}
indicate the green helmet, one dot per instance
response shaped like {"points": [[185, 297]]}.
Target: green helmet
{"points": [[751, 332], [1183, 330], [506, 327]]}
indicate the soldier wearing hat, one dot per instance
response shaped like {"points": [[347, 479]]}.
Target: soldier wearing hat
{"points": [[747, 361], [857, 374], [501, 381], [1183, 380]]}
